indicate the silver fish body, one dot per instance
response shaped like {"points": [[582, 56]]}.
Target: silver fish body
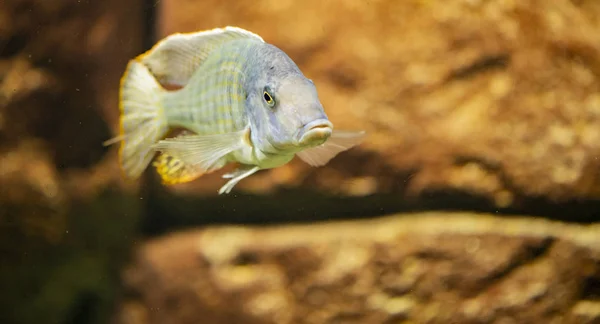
{"points": [[241, 100]]}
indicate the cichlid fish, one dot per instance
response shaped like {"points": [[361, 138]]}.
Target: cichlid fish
{"points": [[239, 99]]}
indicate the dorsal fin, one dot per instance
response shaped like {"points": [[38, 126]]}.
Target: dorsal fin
{"points": [[174, 59]]}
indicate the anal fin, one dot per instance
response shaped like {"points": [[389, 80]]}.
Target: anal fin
{"points": [[172, 170]]}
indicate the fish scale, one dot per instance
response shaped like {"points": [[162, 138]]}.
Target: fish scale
{"points": [[213, 100]]}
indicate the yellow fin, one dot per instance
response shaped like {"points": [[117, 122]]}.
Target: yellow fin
{"points": [[172, 170]]}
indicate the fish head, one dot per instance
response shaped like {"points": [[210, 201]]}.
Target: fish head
{"points": [[286, 111]]}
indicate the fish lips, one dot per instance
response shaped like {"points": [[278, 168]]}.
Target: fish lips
{"points": [[315, 133]]}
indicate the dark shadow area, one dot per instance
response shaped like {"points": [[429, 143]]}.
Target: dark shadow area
{"points": [[77, 279], [164, 212], [84, 308], [13, 45], [499, 61], [81, 117], [150, 22], [591, 287]]}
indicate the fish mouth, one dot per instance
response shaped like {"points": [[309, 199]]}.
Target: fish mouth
{"points": [[315, 133]]}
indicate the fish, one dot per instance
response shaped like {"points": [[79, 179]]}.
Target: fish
{"points": [[235, 98]]}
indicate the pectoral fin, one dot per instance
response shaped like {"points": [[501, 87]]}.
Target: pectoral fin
{"points": [[338, 142], [174, 59], [185, 158]]}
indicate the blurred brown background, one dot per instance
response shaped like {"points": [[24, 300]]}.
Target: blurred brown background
{"points": [[474, 199]]}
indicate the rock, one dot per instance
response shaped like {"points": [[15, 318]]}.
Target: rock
{"points": [[59, 77], [66, 217], [497, 99], [419, 268], [32, 198]]}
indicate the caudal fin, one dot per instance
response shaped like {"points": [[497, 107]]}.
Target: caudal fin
{"points": [[142, 119]]}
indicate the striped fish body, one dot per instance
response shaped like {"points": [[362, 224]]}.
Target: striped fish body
{"points": [[213, 101]]}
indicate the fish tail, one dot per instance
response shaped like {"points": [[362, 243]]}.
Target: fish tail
{"points": [[142, 119]]}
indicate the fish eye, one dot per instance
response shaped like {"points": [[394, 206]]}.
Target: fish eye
{"points": [[268, 98]]}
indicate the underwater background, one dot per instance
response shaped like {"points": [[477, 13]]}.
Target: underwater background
{"points": [[475, 197]]}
